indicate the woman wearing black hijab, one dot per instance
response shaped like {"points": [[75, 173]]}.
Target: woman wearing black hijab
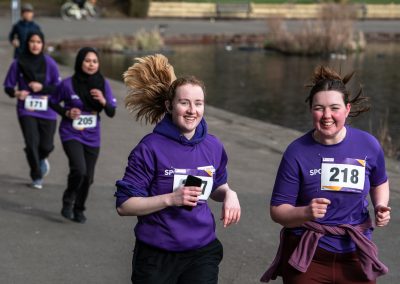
{"points": [[84, 96], [36, 76]]}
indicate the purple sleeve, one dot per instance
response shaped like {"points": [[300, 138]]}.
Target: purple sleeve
{"points": [[138, 175], [109, 95], [287, 183], [11, 78], [55, 78], [221, 174], [378, 172]]}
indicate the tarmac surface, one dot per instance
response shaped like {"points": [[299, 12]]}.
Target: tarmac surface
{"points": [[38, 246]]}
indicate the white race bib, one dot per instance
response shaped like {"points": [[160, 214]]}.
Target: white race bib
{"points": [[344, 175], [85, 121], [36, 103], [180, 176]]}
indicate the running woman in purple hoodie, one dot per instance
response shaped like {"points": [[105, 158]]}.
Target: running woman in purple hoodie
{"points": [[36, 76], [79, 100], [175, 233], [321, 190]]}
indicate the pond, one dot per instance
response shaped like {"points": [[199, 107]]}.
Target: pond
{"points": [[270, 87]]}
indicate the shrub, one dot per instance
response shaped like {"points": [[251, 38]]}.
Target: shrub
{"points": [[142, 41], [333, 32]]}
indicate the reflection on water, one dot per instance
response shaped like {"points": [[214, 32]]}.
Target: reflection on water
{"points": [[270, 87]]}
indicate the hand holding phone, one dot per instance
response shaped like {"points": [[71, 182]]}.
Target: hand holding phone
{"points": [[192, 181]]}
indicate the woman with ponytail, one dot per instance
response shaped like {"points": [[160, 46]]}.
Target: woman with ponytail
{"points": [[321, 190], [79, 100], [36, 75], [175, 233]]}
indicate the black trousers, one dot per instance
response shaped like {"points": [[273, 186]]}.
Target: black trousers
{"points": [[39, 141], [151, 265], [82, 161]]}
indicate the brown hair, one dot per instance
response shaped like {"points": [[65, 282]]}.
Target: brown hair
{"points": [[326, 79], [185, 80], [148, 82]]}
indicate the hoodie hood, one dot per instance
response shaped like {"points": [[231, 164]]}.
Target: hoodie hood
{"points": [[168, 129]]}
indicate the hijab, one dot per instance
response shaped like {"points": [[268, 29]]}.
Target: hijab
{"points": [[83, 82], [33, 66]]}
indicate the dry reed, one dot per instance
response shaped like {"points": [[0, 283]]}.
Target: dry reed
{"points": [[332, 32]]}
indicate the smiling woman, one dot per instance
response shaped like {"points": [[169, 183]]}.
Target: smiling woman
{"points": [[187, 107], [36, 76], [176, 226], [79, 101], [330, 105], [321, 190], [329, 116]]}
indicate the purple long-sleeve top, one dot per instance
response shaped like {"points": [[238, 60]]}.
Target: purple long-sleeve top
{"points": [[15, 78], [65, 94], [154, 165]]}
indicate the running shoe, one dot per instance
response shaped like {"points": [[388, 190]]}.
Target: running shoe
{"points": [[37, 183], [44, 167], [79, 217], [66, 212]]}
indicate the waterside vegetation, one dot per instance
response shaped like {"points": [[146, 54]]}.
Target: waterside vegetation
{"points": [[143, 40], [332, 33]]}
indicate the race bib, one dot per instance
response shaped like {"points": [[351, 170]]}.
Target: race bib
{"points": [[204, 173], [36, 103], [343, 175], [85, 121]]}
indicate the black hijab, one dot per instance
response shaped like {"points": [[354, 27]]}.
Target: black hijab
{"points": [[83, 82], [33, 66]]}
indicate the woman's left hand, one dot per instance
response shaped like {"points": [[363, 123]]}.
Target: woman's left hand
{"points": [[98, 96], [382, 215], [230, 209], [35, 86]]}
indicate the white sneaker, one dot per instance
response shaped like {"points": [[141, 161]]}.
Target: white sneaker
{"points": [[37, 183]]}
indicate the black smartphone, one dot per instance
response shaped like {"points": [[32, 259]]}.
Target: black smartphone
{"points": [[192, 181]]}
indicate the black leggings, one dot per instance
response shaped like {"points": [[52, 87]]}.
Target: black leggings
{"points": [[151, 265], [82, 161], [39, 141]]}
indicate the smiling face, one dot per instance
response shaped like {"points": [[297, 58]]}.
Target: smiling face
{"points": [[35, 44], [90, 64], [187, 108], [329, 114]]}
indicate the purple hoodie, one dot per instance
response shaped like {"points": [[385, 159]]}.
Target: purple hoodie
{"points": [[15, 77], [152, 167], [67, 95]]}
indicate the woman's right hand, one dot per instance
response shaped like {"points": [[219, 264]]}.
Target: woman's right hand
{"points": [[317, 208], [185, 196], [73, 113], [21, 95]]}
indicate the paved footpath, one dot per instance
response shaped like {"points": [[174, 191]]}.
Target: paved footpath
{"points": [[38, 246]]}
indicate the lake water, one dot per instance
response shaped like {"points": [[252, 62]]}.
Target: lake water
{"points": [[270, 87]]}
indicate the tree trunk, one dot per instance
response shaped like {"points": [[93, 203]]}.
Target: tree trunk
{"points": [[138, 8]]}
